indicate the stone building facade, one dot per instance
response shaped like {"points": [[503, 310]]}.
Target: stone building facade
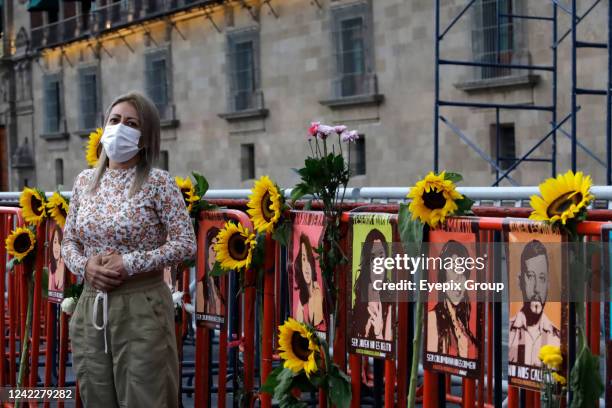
{"points": [[238, 82]]}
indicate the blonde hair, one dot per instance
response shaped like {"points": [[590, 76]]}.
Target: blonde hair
{"points": [[149, 140]]}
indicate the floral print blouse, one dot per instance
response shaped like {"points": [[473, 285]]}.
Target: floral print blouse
{"points": [[150, 230]]}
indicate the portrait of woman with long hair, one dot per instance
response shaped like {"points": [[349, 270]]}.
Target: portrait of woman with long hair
{"points": [[309, 307], [56, 262], [212, 292], [448, 322], [372, 316]]}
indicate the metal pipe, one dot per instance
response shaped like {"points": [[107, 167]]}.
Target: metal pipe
{"points": [[437, 89], [609, 102]]}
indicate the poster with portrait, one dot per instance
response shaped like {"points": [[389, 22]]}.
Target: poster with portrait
{"points": [[537, 317], [454, 318], [211, 291], [55, 263], [306, 283], [371, 312]]}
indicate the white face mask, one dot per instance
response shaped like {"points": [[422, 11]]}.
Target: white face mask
{"points": [[120, 142]]}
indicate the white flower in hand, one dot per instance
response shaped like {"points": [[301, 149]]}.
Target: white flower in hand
{"points": [[177, 299], [68, 305]]}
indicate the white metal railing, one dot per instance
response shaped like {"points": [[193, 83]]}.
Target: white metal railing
{"points": [[513, 196]]}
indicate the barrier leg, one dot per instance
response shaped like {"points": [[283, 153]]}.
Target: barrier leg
{"points": [[513, 397], [469, 393], [63, 351], [430, 389], [268, 321], [249, 335], [389, 383], [49, 345], [202, 371], [355, 367], [36, 307]]}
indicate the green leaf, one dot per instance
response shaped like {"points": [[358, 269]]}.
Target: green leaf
{"points": [[339, 388], [284, 384], [217, 270], [411, 231], [272, 380], [299, 191], [454, 177], [464, 205], [201, 184], [259, 252], [585, 381], [282, 233], [45, 282], [308, 205], [10, 264]]}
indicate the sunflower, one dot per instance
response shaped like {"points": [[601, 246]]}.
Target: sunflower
{"points": [[94, 147], [20, 243], [551, 356], [33, 205], [562, 198], [297, 347], [433, 199], [188, 191], [559, 378], [234, 247], [264, 204], [58, 208]]}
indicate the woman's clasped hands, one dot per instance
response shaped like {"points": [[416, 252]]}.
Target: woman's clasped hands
{"points": [[105, 272]]}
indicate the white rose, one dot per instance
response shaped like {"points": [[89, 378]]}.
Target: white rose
{"points": [[68, 305], [177, 299]]}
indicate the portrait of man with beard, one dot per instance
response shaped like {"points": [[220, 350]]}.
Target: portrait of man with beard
{"points": [[530, 328]]}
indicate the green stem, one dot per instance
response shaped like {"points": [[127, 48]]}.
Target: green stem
{"points": [[23, 358], [416, 352]]}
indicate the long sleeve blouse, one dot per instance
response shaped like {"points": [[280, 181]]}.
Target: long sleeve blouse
{"points": [[150, 230]]}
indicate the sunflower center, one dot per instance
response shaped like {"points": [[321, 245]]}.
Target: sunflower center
{"points": [[563, 203], [185, 193], [266, 203], [22, 243], [299, 345], [36, 204], [237, 247], [434, 199]]}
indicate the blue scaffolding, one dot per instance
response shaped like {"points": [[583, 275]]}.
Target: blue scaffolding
{"points": [[556, 126]]}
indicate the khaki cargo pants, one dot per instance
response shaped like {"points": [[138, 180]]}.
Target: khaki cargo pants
{"points": [[141, 366]]}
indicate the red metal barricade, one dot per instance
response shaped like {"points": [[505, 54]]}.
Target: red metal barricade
{"points": [[45, 340]]}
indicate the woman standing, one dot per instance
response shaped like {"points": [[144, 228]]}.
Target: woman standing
{"points": [[127, 221]]}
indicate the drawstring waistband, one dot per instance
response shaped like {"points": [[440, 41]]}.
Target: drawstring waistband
{"points": [[138, 282], [104, 296]]}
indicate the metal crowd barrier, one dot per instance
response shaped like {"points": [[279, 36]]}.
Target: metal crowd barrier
{"points": [[238, 348]]}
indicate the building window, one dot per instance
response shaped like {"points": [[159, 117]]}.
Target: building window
{"points": [[491, 45], [157, 80], [243, 58], [59, 172], [88, 88], [163, 160], [358, 157], [52, 104], [247, 161], [352, 27], [506, 154]]}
